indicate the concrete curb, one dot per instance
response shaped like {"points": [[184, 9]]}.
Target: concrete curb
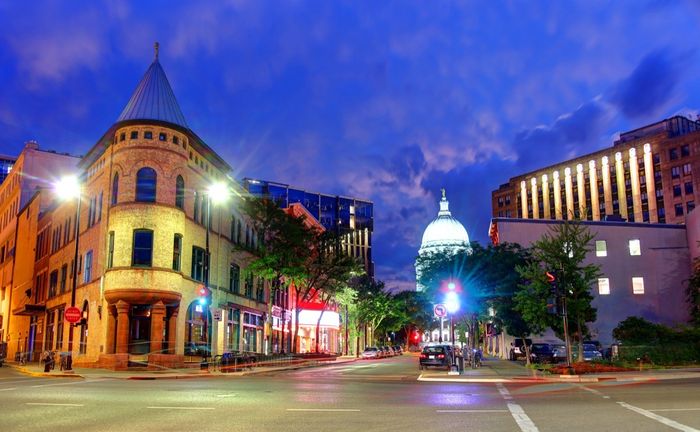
{"points": [[29, 372], [560, 379]]}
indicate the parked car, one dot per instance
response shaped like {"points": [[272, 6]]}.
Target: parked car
{"points": [[541, 353], [398, 350], [371, 353], [389, 351], [517, 350], [558, 353], [590, 353], [437, 356]]}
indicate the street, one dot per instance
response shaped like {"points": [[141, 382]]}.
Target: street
{"points": [[377, 395]]}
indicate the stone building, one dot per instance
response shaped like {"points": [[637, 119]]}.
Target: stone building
{"points": [[646, 176], [146, 222]]}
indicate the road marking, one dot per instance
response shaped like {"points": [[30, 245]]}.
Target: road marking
{"points": [[8, 389], [54, 404], [663, 420], [522, 419], [322, 410], [73, 382], [594, 391], [225, 395], [472, 411], [675, 409], [180, 408]]}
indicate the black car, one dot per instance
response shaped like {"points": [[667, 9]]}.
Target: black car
{"points": [[437, 356], [517, 350], [542, 353]]}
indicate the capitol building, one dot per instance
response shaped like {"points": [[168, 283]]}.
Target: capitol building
{"points": [[443, 234]]}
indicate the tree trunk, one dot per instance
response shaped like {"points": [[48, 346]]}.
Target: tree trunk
{"points": [[295, 344], [527, 350], [318, 331], [580, 341]]}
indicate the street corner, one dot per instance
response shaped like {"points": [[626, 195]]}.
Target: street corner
{"points": [[36, 372]]}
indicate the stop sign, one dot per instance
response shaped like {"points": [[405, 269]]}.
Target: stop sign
{"points": [[72, 314]]}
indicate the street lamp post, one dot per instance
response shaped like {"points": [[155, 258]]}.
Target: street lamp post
{"points": [[452, 305], [69, 187], [218, 192]]}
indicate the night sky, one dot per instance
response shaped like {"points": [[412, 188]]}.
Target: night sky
{"points": [[382, 100]]}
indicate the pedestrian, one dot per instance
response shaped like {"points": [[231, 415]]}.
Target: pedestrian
{"points": [[46, 358]]}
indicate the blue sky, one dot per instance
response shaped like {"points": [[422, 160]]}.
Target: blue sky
{"points": [[383, 100]]}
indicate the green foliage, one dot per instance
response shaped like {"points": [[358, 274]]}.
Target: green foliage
{"points": [[693, 295], [638, 331], [666, 354], [562, 252]]}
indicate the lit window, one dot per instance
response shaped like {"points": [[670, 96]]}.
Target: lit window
{"points": [[603, 286], [687, 169], [635, 248], [601, 248], [148, 135], [162, 136], [637, 285]]}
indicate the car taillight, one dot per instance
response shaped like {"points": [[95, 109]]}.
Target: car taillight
{"points": [[440, 356], [423, 356]]}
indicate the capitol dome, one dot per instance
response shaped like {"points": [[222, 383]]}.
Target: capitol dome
{"points": [[444, 232]]}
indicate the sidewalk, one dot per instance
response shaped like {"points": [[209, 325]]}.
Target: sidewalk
{"points": [[37, 369], [504, 371]]}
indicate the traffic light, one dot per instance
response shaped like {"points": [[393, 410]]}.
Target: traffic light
{"points": [[553, 299], [203, 295]]}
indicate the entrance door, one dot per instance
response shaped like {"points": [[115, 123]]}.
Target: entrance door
{"points": [[140, 331]]}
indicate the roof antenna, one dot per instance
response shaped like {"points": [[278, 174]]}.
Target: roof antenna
{"points": [[156, 46]]}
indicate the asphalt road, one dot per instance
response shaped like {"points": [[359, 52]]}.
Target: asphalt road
{"points": [[378, 395]]}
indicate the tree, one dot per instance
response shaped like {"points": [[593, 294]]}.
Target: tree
{"points": [[693, 295], [560, 252], [285, 242]]}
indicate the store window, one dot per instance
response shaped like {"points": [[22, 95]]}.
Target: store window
{"points": [[84, 329], [59, 328], [233, 317], [198, 330]]}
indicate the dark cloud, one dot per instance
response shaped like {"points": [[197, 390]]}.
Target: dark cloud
{"points": [[575, 132], [651, 85]]}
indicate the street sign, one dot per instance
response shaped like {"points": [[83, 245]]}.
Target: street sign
{"points": [[440, 310], [72, 314], [217, 312]]}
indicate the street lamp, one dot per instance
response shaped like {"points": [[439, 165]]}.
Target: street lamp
{"points": [[217, 192], [67, 188], [452, 305]]}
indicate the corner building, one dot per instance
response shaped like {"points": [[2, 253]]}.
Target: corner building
{"points": [[142, 247], [646, 176]]}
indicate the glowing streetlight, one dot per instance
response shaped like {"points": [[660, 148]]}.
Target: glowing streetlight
{"points": [[451, 286], [218, 192], [452, 302], [67, 188]]}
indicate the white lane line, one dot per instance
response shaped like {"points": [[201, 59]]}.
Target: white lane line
{"points": [[663, 420], [322, 410], [473, 411], [72, 383], [54, 404], [180, 408], [594, 391], [225, 395], [8, 389], [674, 409], [522, 419]]}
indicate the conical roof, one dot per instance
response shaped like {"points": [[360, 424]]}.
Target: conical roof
{"points": [[154, 99]]}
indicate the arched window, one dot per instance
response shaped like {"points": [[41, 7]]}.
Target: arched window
{"points": [[115, 189], [180, 192], [146, 185]]}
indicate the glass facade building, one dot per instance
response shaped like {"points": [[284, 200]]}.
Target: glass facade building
{"points": [[6, 163], [351, 218]]}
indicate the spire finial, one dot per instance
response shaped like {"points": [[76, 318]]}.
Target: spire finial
{"points": [[156, 47], [443, 193]]}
